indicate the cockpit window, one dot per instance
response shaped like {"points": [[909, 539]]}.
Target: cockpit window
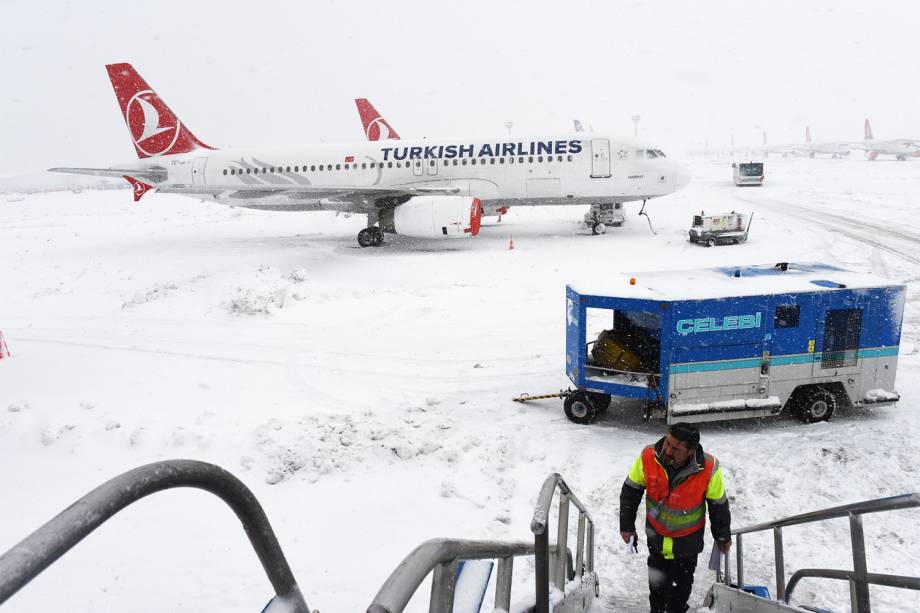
{"points": [[660, 153]]}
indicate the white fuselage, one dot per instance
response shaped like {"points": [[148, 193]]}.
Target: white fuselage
{"points": [[558, 169], [892, 147]]}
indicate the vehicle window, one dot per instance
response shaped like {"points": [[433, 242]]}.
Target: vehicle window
{"points": [[697, 221], [787, 316]]}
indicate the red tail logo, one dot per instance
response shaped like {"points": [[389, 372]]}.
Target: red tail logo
{"points": [[140, 188], [155, 129], [868, 131], [807, 134], [375, 126]]}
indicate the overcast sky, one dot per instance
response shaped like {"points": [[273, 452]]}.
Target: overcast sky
{"points": [[285, 73]]}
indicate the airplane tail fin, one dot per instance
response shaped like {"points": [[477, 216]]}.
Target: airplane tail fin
{"points": [[867, 131], [375, 126], [155, 129], [807, 134]]}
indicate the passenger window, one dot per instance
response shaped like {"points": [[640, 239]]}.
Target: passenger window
{"points": [[248, 170], [389, 164], [558, 158], [432, 163], [570, 157], [288, 169], [297, 168], [540, 159], [492, 161], [511, 160], [520, 160], [455, 162], [473, 161], [549, 158], [786, 316], [446, 162], [463, 162], [312, 167], [338, 167], [501, 160]]}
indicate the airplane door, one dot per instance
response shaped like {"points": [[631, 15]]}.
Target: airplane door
{"points": [[600, 158], [417, 169], [432, 167], [198, 171]]}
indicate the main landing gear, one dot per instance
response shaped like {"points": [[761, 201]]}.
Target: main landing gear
{"points": [[370, 237]]}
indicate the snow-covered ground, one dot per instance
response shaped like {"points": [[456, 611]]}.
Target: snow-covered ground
{"points": [[365, 394]]}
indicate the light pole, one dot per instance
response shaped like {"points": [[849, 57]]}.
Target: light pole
{"points": [[635, 120]]}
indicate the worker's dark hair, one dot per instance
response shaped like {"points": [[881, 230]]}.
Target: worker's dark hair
{"points": [[688, 434]]}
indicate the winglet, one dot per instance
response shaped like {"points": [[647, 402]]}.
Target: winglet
{"points": [[140, 188]]}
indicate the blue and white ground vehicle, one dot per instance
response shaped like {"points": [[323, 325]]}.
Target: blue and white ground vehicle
{"points": [[731, 343]]}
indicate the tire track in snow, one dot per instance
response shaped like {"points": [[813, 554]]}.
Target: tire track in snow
{"points": [[847, 227]]}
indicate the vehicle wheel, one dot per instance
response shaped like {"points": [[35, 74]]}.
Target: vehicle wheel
{"points": [[815, 404], [599, 228], [600, 401], [711, 242], [579, 409], [378, 236], [367, 237]]}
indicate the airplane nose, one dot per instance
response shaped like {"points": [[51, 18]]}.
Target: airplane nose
{"points": [[683, 176]]}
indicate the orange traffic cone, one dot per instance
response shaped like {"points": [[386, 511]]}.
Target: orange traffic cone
{"points": [[511, 244]]}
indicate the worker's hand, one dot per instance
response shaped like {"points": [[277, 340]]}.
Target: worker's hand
{"points": [[627, 536], [724, 546]]}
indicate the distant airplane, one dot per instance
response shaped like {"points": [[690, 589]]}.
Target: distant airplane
{"points": [[811, 149], [900, 148], [435, 188], [375, 126]]}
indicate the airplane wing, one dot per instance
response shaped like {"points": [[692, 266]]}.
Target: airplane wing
{"points": [[362, 196], [356, 194]]}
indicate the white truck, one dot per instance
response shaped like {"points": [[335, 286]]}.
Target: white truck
{"points": [[712, 230], [748, 173]]}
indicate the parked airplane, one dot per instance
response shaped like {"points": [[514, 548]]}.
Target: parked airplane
{"points": [[429, 189], [811, 149], [901, 148]]}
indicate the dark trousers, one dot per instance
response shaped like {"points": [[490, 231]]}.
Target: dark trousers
{"points": [[669, 583]]}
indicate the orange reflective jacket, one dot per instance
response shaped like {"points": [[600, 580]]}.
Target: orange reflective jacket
{"points": [[679, 511]]}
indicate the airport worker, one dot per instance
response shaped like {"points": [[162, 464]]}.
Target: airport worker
{"points": [[678, 479]]}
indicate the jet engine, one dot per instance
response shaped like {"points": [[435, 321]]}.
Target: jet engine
{"points": [[433, 217]]}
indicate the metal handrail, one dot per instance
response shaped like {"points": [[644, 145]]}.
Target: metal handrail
{"points": [[442, 556], [585, 552], [859, 577], [36, 552]]}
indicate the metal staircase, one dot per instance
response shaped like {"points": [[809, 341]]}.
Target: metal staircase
{"points": [[727, 596], [574, 586]]}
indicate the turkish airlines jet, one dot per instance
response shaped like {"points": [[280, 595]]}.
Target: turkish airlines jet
{"points": [[901, 148], [435, 188]]}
